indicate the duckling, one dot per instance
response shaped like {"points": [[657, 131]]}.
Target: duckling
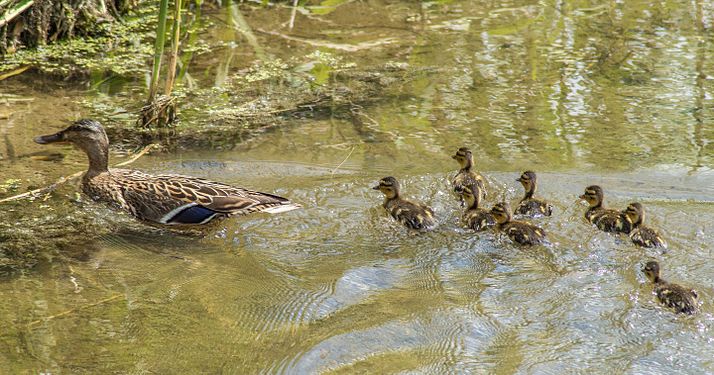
{"points": [[466, 176], [681, 299], [607, 220], [475, 217], [412, 215], [521, 232], [166, 199], [640, 234], [530, 206]]}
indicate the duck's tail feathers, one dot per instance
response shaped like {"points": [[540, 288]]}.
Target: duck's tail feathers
{"points": [[285, 207]]}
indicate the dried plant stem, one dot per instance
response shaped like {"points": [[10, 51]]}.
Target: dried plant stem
{"points": [[58, 315], [64, 179], [343, 161], [173, 58]]}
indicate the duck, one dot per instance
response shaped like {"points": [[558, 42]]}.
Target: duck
{"points": [[605, 219], [475, 217], [466, 176], [681, 299], [163, 199], [640, 234], [412, 215], [530, 206], [521, 232]]}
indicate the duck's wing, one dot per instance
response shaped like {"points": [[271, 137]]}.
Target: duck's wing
{"points": [[647, 237], [177, 199], [681, 299]]}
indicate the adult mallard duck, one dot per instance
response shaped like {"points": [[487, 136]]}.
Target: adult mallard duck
{"points": [[466, 175], [412, 215], [476, 217], [164, 199], [521, 232], [642, 235], [605, 219], [530, 206], [681, 299]]}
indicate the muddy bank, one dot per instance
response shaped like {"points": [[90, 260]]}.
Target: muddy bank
{"points": [[264, 97]]}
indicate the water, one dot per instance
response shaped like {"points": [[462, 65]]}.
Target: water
{"points": [[338, 287]]}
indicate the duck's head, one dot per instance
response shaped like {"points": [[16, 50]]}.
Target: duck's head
{"points": [[87, 135], [389, 186], [636, 213], [464, 157], [80, 133], [528, 180], [651, 270], [501, 212], [593, 195], [472, 196]]}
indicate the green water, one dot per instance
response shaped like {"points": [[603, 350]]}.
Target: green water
{"points": [[619, 95]]}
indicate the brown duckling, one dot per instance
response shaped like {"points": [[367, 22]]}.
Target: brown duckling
{"points": [[412, 215], [521, 232], [466, 175], [476, 217], [530, 206], [605, 219], [681, 299], [642, 235]]}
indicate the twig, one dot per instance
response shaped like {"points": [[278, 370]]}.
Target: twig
{"points": [[337, 46], [14, 72], [100, 302], [343, 161], [292, 14], [240, 24], [12, 13], [62, 180]]}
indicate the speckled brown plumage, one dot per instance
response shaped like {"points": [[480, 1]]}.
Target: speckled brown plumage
{"points": [[604, 219], [476, 217], [640, 234], [466, 176], [682, 300], [162, 199], [520, 232], [411, 215], [529, 205]]}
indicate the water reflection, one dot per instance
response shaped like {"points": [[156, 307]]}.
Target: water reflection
{"points": [[617, 94]]}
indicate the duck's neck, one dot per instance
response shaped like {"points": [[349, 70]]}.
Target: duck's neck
{"points": [[390, 198], [530, 192], [98, 155], [467, 166]]}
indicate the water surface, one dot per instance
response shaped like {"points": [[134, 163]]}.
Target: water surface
{"points": [[616, 94]]}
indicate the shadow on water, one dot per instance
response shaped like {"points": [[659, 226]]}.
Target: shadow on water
{"points": [[612, 94]]}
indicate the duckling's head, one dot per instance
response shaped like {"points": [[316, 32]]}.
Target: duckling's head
{"points": [[472, 196], [89, 136], [464, 157], [389, 186], [501, 212], [651, 270], [528, 180], [636, 213], [593, 195]]}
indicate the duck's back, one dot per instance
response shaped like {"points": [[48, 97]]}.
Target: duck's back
{"points": [[646, 237], [681, 299], [534, 207], [177, 199], [608, 220], [410, 214], [524, 233], [465, 179], [479, 219]]}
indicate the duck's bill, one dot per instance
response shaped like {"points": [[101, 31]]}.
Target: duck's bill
{"points": [[454, 156], [375, 187], [582, 196], [52, 138], [519, 180]]}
